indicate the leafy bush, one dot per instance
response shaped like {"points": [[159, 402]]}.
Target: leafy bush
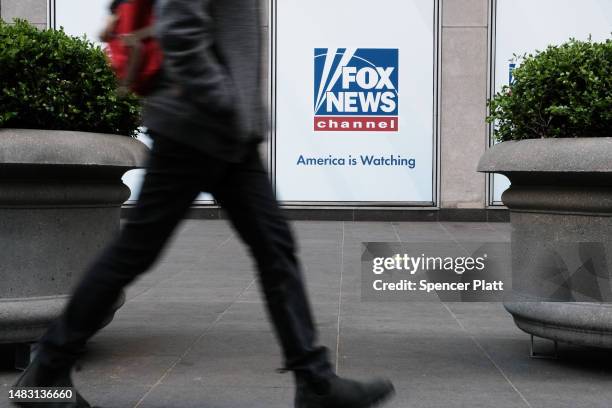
{"points": [[564, 91], [49, 80]]}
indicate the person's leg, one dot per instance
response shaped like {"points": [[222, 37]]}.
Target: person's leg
{"points": [[169, 187], [246, 194]]}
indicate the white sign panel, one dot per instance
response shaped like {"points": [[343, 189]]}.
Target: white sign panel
{"points": [[79, 17], [524, 26], [355, 101]]}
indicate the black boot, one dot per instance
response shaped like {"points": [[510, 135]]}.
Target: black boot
{"points": [[338, 392], [37, 375]]}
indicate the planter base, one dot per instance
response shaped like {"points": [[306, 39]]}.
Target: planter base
{"points": [[560, 204], [25, 320], [585, 324], [60, 199]]}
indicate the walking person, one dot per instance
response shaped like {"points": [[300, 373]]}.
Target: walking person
{"points": [[206, 118]]}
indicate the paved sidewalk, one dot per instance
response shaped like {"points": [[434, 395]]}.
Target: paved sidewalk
{"points": [[194, 332]]}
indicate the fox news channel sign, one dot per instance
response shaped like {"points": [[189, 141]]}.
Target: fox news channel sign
{"points": [[344, 132], [356, 89]]}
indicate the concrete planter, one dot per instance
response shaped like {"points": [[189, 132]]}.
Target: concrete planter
{"points": [[60, 200], [561, 196]]}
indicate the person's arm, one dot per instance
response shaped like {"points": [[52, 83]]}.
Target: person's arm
{"points": [[184, 30]]}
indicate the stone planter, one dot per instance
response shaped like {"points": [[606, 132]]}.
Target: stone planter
{"points": [[560, 197], [60, 200]]}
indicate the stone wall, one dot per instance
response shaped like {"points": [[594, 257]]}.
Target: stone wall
{"points": [[463, 105], [34, 11]]}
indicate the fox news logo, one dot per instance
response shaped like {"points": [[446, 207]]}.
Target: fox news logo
{"points": [[356, 89]]}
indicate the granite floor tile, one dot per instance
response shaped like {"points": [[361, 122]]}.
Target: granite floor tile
{"points": [[195, 333]]}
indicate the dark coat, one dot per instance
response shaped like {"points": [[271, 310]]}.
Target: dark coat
{"points": [[209, 94]]}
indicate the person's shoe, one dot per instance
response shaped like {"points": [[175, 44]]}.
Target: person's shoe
{"points": [[343, 393], [38, 376]]}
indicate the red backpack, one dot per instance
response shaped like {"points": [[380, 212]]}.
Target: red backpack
{"points": [[134, 53]]}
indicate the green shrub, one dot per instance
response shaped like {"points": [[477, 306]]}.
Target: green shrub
{"points": [[564, 91], [49, 80]]}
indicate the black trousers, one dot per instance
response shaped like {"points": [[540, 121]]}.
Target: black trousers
{"points": [[175, 176]]}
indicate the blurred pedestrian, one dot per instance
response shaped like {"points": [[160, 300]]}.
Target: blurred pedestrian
{"points": [[206, 118]]}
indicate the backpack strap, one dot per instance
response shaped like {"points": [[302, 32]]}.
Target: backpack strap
{"points": [[135, 38], [133, 41]]}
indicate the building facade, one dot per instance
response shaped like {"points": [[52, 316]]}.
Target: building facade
{"points": [[466, 68]]}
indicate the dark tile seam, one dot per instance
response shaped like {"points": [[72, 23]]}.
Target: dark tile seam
{"points": [[191, 346], [455, 239], [488, 356], [475, 341], [397, 235], [340, 301], [177, 274], [340, 294], [450, 234]]}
